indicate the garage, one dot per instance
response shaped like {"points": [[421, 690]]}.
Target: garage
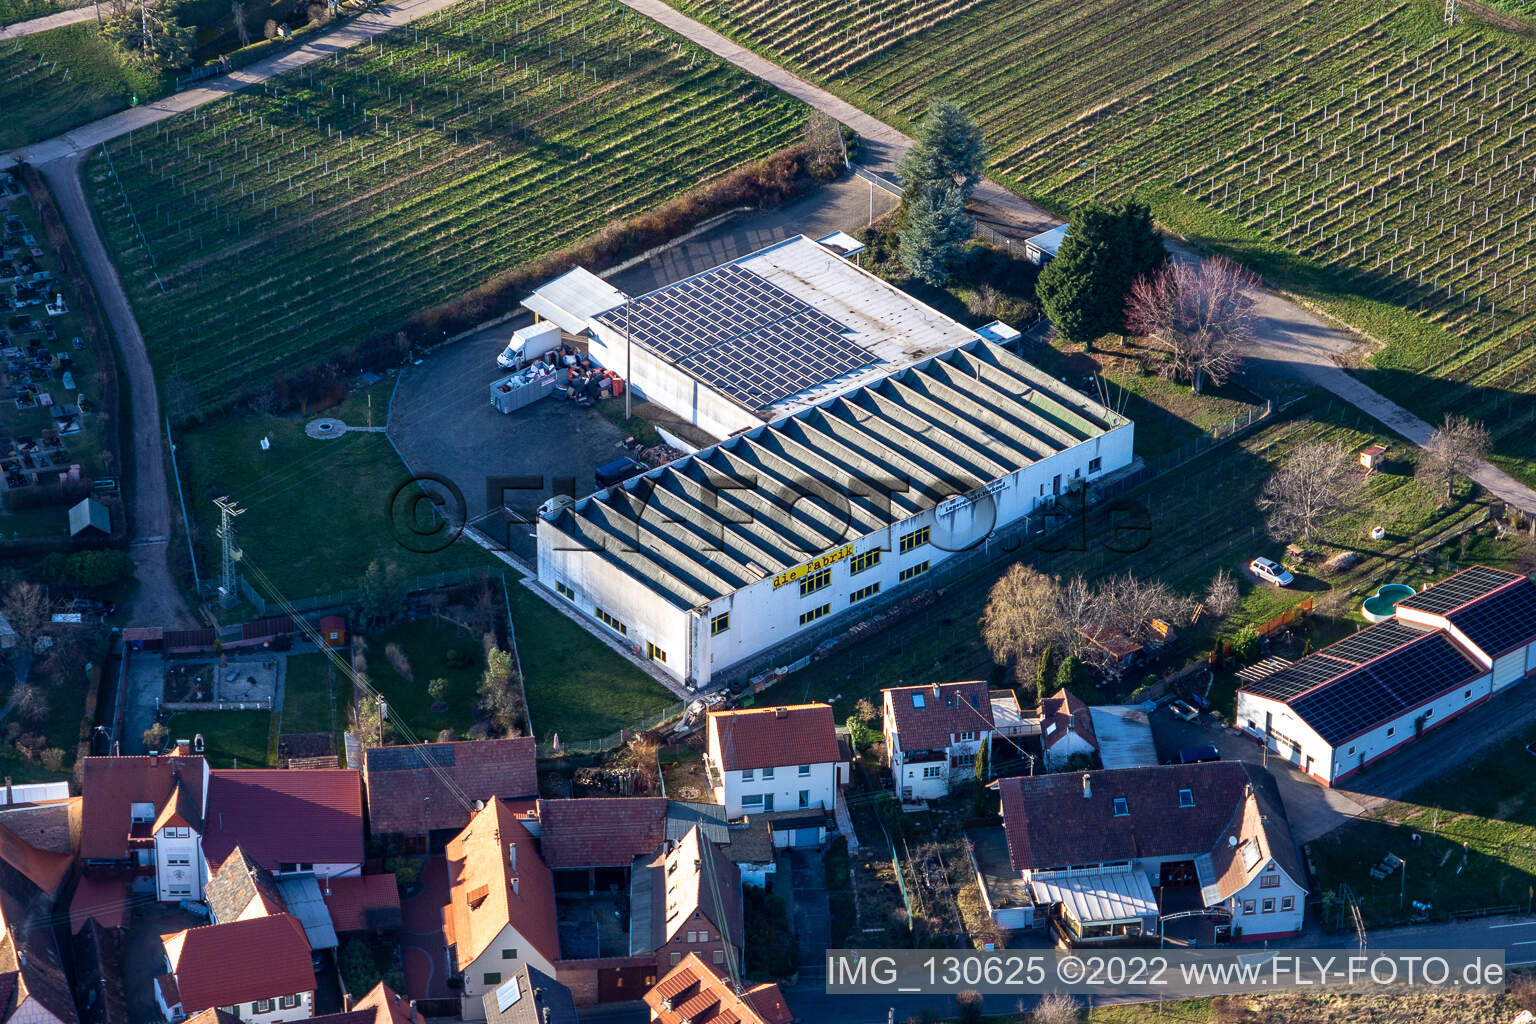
{"points": [[799, 830], [1509, 668]]}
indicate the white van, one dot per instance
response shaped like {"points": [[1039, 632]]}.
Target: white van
{"points": [[528, 343]]}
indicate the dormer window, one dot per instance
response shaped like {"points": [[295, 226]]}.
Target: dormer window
{"points": [[1186, 798], [1122, 807], [143, 812]]}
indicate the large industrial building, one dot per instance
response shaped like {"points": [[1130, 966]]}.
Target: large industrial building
{"points": [[1447, 648], [755, 339], [711, 560]]}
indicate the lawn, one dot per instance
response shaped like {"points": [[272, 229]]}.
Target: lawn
{"points": [[300, 221], [316, 509], [577, 686], [1365, 156], [426, 644], [1200, 517], [234, 739], [311, 702], [53, 81], [1477, 841]]}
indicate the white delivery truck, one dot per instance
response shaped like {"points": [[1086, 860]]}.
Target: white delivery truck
{"points": [[528, 343]]}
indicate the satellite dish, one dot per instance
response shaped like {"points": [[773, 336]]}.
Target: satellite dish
{"points": [[1231, 840], [479, 805]]}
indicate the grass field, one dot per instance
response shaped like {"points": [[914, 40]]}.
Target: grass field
{"points": [[234, 739], [317, 511], [310, 702], [1486, 804], [293, 222], [1360, 153], [1198, 519], [425, 644], [53, 81]]}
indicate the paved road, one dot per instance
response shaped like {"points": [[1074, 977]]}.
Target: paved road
{"points": [[1292, 341], [58, 19]]}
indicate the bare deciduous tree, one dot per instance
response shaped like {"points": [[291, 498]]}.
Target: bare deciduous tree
{"points": [[1201, 313], [1129, 604], [1454, 450], [26, 608], [237, 9], [1056, 1008], [399, 662], [1221, 595], [1309, 487], [1022, 614]]}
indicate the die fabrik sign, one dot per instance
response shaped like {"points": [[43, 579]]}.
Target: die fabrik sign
{"points": [[814, 565]]}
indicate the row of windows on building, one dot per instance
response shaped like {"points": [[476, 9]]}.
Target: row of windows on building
{"points": [[764, 801], [1287, 904], [818, 580], [282, 1003], [747, 775]]}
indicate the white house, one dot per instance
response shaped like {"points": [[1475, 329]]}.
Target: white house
{"points": [[1066, 729], [775, 759], [501, 911], [1446, 649], [1109, 854], [147, 815], [258, 969], [933, 733], [840, 505]]}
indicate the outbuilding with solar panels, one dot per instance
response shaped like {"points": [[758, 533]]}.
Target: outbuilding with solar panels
{"points": [[1447, 648]]}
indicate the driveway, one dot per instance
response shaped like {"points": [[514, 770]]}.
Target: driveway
{"points": [[807, 897], [142, 688], [422, 945]]}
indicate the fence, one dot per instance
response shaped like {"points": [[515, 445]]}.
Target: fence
{"points": [[343, 598], [561, 748], [217, 705]]}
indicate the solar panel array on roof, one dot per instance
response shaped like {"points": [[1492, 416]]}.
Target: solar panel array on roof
{"points": [[1500, 621], [396, 759], [1298, 678], [1458, 590], [741, 334], [1372, 694], [1373, 641]]}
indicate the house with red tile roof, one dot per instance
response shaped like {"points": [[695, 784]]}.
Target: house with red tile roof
{"points": [[259, 969], [933, 733], [427, 792], [381, 1005], [501, 911], [601, 836], [145, 816], [286, 820], [686, 899], [1107, 853], [698, 992], [1066, 729], [34, 988], [362, 903], [784, 758]]}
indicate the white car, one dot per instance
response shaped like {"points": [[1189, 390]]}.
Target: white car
{"points": [[1271, 571]]}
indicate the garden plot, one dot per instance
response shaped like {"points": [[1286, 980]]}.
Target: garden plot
{"points": [[319, 212]]}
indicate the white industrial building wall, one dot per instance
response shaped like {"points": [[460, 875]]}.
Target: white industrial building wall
{"points": [[1251, 718], [598, 583], [1509, 668], [661, 382], [762, 617], [1388, 736]]}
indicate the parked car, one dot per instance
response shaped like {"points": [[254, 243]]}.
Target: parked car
{"points": [[91, 606], [1270, 571], [1183, 710], [617, 471]]}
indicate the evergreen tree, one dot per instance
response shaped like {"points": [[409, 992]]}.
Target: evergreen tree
{"points": [[936, 228], [983, 767], [1068, 672], [948, 149], [148, 33], [1084, 289]]}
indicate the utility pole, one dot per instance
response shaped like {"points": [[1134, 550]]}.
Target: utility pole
{"points": [[1452, 9], [229, 551]]}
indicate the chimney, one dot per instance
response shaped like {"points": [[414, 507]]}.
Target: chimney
{"points": [[154, 759], [514, 886], [935, 691], [7, 790], [781, 712], [1087, 786], [346, 1002], [413, 1009]]}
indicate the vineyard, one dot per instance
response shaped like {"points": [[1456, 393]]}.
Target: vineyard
{"points": [[315, 213], [1363, 139]]}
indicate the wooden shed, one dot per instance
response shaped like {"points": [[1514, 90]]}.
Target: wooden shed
{"points": [[333, 631]]}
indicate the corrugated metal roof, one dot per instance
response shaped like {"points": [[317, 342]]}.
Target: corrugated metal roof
{"points": [[1099, 897], [302, 894], [574, 298], [1125, 736], [1048, 241]]}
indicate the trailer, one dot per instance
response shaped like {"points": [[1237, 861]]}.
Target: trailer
{"points": [[515, 390]]}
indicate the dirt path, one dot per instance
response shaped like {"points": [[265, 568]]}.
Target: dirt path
{"points": [[58, 19], [1292, 342], [158, 600]]}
